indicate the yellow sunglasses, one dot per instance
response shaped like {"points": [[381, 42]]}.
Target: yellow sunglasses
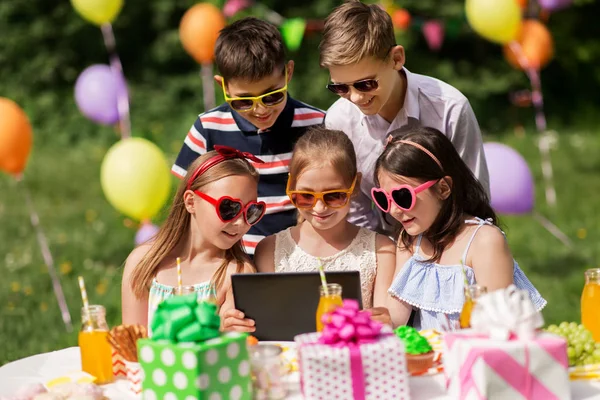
{"points": [[245, 104]]}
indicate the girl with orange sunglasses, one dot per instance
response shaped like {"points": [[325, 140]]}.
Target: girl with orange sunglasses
{"points": [[323, 177]]}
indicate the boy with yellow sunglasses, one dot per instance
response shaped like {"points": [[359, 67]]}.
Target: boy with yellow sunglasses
{"points": [[258, 117]]}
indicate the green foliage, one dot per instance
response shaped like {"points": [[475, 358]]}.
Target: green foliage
{"points": [[46, 45]]}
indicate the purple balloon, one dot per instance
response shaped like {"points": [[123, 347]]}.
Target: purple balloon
{"points": [[553, 5], [511, 181], [146, 232], [97, 91]]}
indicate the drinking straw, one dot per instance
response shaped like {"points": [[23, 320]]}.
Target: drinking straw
{"points": [[462, 268], [84, 297], [323, 280], [179, 279]]}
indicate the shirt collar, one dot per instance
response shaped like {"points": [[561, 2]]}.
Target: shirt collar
{"points": [[284, 121], [411, 99]]}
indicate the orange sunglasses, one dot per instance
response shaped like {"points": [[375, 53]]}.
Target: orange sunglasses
{"points": [[337, 198]]}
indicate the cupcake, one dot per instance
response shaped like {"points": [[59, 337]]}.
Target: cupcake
{"points": [[419, 353]]}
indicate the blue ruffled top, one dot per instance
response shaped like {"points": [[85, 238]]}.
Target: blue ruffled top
{"points": [[437, 291]]}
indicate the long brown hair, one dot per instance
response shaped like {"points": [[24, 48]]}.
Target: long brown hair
{"points": [[467, 196], [177, 225], [320, 146]]}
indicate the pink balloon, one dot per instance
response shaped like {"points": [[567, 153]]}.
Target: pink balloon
{"points": [[434, 34], [511, 181]]}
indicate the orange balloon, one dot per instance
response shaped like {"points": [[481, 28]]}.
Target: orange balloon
{"points": [[522, 4], [199, 30], [15, 137], [401, 19], [536, 44]]}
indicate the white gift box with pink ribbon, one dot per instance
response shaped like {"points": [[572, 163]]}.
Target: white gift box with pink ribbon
{"points": [[353, 359], [504, 356]]}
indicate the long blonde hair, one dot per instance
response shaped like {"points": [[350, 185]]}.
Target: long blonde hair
{"points": [[177, 225], [319, 147]]}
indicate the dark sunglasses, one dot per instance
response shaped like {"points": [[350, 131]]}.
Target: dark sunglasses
{"points": [[404, 196], [228, 208], [365, 85]]}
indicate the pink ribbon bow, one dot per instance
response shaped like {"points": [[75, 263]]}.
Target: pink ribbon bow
{"points": [[347, 326]]}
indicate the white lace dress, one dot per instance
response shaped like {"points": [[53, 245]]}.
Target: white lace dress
{"points": [[360, 255]]}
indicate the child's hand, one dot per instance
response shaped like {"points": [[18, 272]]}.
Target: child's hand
{"points": [[233, 320], [381, 314]]}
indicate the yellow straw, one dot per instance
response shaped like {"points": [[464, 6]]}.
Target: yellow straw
{"points": [[179, 279], [462, 268], [84, 297], [323, 280]]}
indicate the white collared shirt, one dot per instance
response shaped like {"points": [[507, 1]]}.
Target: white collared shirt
{"points": [[429, 102]]}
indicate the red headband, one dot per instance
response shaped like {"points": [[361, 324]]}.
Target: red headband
{"points": [[224, 153]]}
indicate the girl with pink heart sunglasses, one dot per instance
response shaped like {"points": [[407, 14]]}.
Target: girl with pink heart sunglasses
{"points": [[447, 230]]}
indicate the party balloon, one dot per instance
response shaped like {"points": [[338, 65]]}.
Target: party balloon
{"points": [[554, 5], [146, 232], [199, 30], [534, 44], [511, 181], [401, 19], [292, 31], [98, 11], [97, 91], [496, 20], [135, 178], [15, 137]]}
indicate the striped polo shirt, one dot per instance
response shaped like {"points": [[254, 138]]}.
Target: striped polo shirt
{"points": [[224, 126]]}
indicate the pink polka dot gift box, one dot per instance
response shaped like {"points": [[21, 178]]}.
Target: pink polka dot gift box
{"points": [[354, 358]]}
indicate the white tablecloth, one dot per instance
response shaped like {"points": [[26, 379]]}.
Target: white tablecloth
{"points": [[44, 367]]}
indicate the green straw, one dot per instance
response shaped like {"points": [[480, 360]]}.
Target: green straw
{"points": [[323, 280]]}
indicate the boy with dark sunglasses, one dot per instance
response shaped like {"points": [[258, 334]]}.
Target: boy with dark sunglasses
{"points": [[258, 117], [379, 95]]}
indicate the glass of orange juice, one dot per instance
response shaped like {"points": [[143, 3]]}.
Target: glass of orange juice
{"points": [[329, 301], [472, 293], [590, 302], [96, 352]]}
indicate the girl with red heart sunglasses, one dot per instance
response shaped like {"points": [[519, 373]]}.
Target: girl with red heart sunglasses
{"points": [[214, 206], [447, 233]]}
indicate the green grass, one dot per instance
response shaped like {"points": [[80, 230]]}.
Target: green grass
{"points": [[87, 237]]}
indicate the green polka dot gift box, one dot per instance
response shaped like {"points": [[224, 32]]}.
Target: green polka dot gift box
{"points": [[187, 357]]}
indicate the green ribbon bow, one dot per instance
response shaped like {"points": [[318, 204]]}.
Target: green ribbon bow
{"points": [[184, 319]]}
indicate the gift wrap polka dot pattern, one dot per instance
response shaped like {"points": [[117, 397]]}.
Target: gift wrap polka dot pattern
{"points": [[328, 376], [220, 372]]}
